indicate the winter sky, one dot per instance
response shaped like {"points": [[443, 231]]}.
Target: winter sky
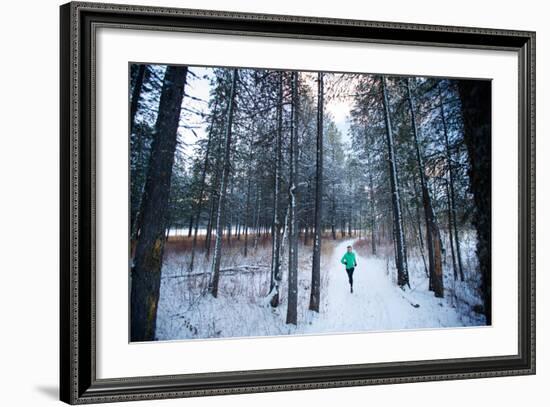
{"points": [[199, 87]]}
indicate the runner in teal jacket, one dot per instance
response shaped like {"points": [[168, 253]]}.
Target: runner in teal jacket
{"points": [[350, 262]]}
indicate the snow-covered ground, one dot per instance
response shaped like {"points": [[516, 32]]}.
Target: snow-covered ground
{"points": [[186, 311]]}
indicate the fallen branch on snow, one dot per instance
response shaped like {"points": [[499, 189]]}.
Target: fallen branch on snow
{"points": [[245, 268]]}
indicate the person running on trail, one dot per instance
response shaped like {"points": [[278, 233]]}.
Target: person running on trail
{"points": [[350, 262]]}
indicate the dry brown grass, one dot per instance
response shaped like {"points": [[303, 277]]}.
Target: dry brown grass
{"points": [[327, 246], [182, 245], [364, 249], [176, 245]]}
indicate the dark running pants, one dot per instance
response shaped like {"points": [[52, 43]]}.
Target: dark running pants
{"points": [[350, 275]]}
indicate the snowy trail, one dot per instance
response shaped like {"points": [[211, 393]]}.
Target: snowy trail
{"points": [[376, 302]]}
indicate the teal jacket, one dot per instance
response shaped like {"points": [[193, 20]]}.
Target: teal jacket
{"points": [[349, 260]]}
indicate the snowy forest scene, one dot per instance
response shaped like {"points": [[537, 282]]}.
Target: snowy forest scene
{"points": [[269, 202]]}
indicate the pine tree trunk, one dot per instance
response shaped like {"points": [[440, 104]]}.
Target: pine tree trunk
{"points": [[292, 309], [276, 241], [350, 208], [239, 227], [136, 92], [372, 211], [333, 214], [150, 246], [476, 109], [202, 187], [142, 76], [401, 205], [419, 225], [451, 184], [349, 221], [257, 217], [190, 228], [450, 229], [432, 229], [315, 297], [230, 217], [247, 215], [401, 258], [223, 188], [208, 240]]}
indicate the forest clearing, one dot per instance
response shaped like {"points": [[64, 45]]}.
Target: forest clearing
{"points": [[254, 192]]}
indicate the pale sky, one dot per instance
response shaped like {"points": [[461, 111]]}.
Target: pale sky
{"points": [[200, 87], [340, 110], [197, 88]]}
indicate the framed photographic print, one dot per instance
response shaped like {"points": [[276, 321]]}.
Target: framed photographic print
{"points": [[255, 203]]}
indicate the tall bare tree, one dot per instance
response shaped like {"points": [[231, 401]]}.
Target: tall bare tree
{"points": [[316, 266], [292, 305], [202, 187], [276, 231], [401, 256], [223, 188], [476, 109], [147, 266], [452, 193], [432, 229]]}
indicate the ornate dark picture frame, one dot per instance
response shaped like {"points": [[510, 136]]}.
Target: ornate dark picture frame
{"points": [[78, 381]]}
